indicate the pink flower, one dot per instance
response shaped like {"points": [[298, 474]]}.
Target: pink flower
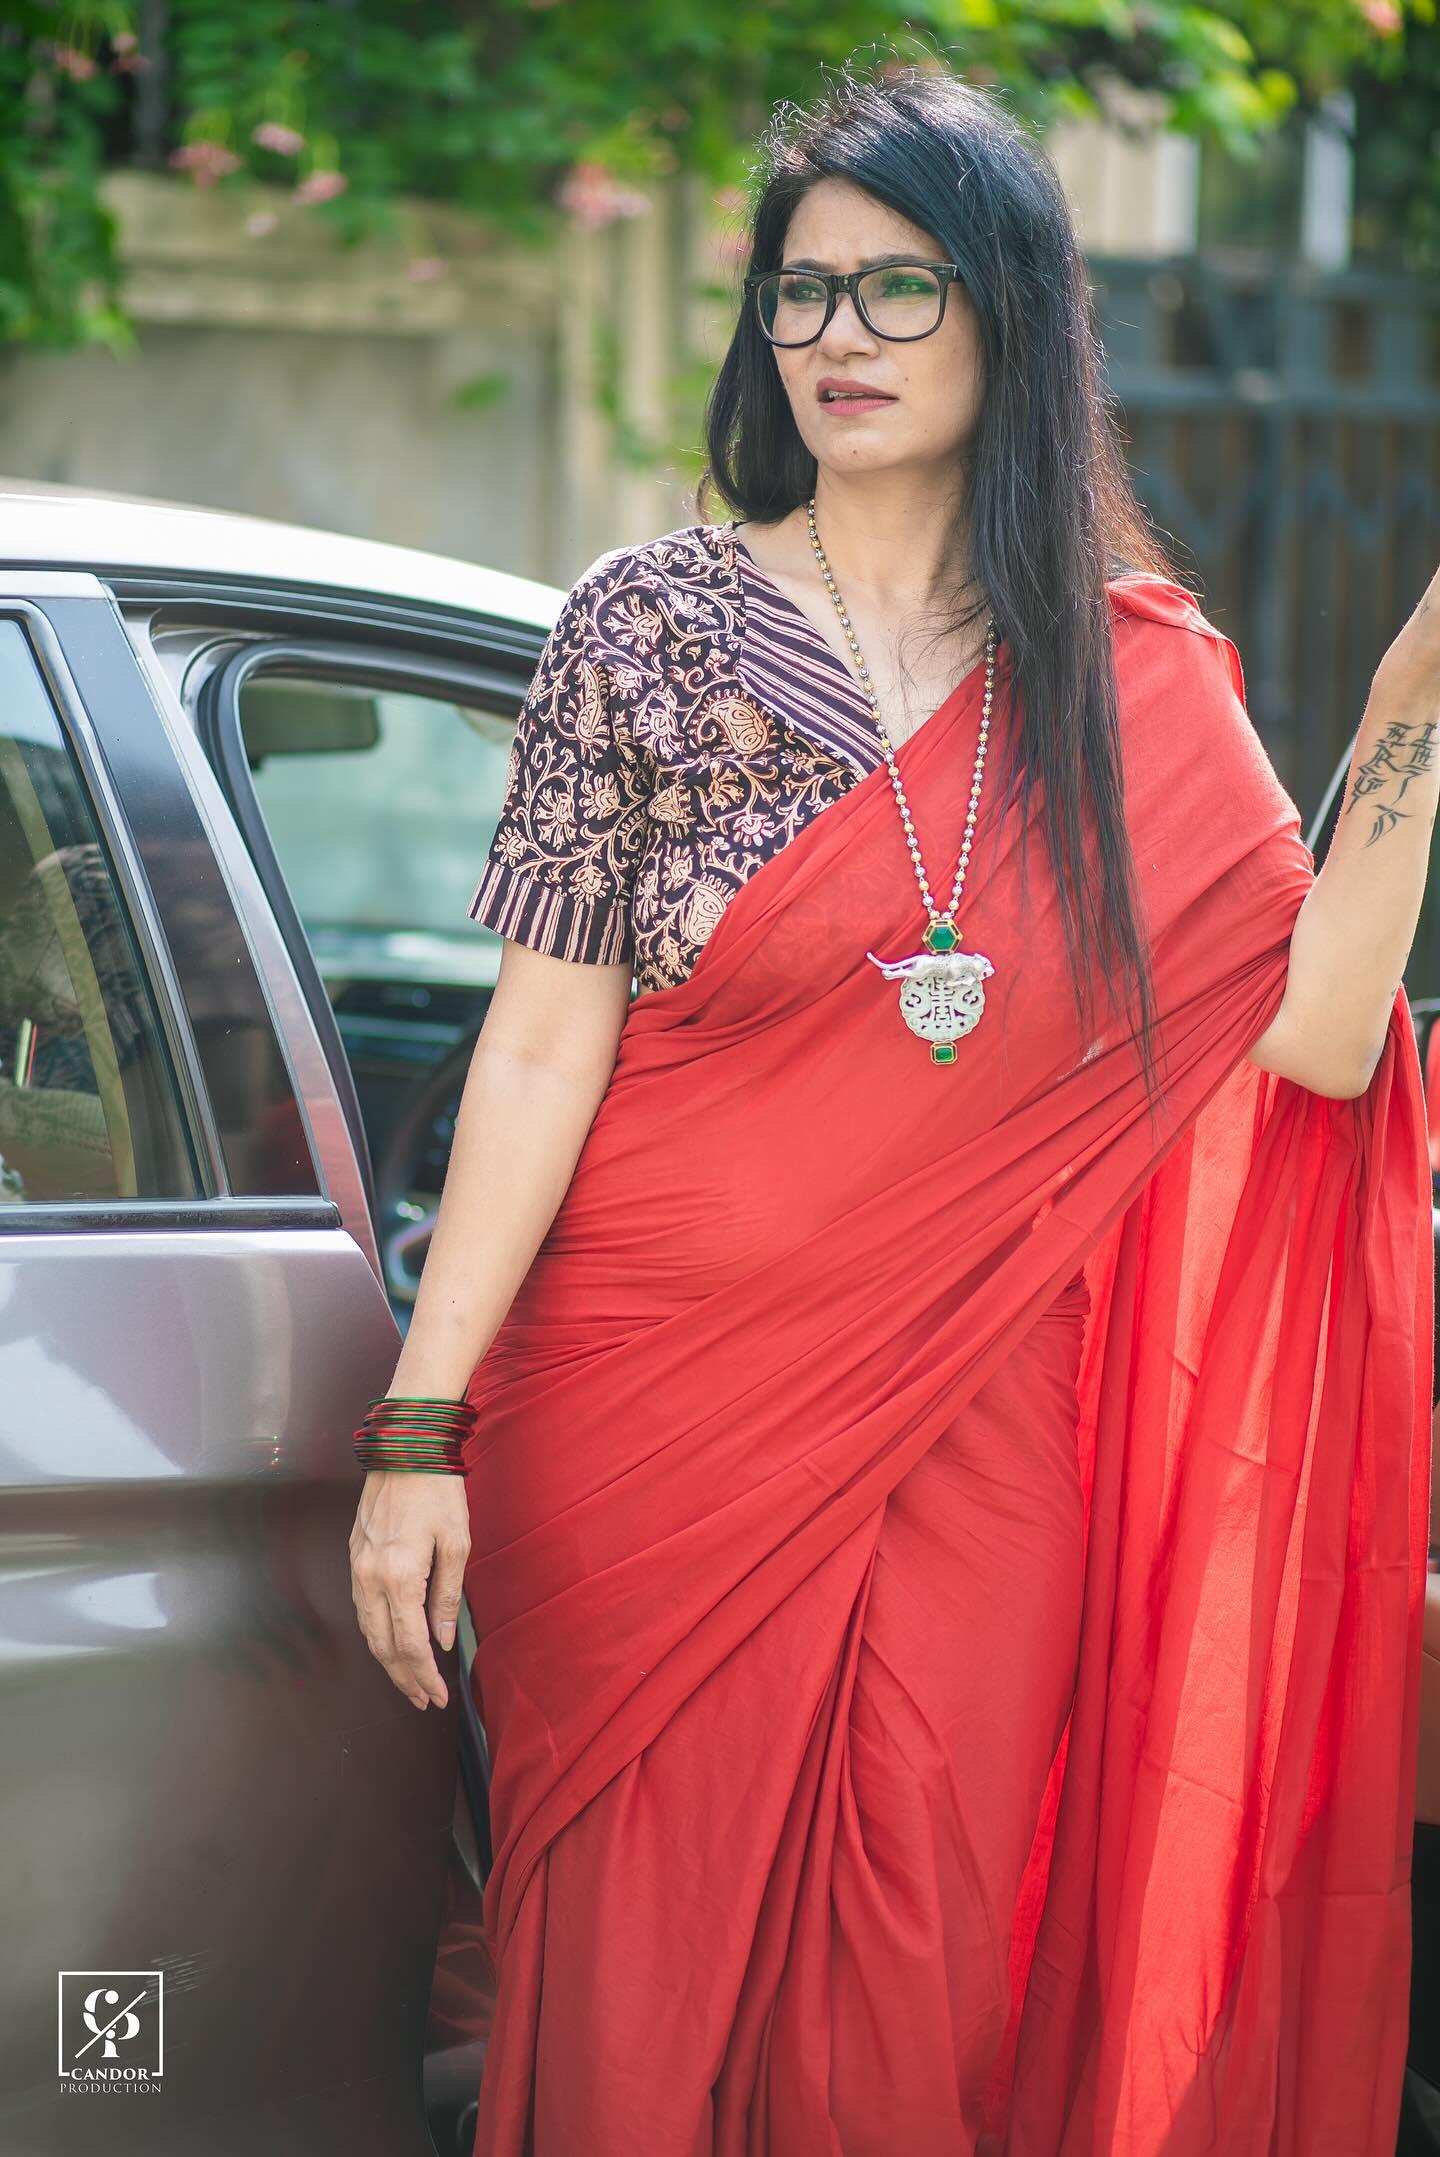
{"points": [[1383, 16], [321, 187], [206, 162], [77, 65], [424, 269], [124, 41], [274, 135], [592, 196]]}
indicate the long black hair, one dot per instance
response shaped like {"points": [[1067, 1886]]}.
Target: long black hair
{"points": [[1050, 510]]}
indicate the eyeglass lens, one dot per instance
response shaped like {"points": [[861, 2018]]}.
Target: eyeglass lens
{"points": [[898, 300]]}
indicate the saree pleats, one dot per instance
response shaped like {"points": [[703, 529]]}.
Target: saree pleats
{"points": [[946, 1547]]}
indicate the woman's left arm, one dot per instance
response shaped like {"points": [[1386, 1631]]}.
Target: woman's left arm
{"points": [[1354, 929]]}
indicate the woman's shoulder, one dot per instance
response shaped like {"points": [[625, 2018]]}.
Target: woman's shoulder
{"points": [[1154, 611], [635, 603], [1139, 597], [691, 557], [1148, 596], [1142, 595]]}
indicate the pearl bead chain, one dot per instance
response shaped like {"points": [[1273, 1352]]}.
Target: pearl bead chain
{"points": [[864, 673]]}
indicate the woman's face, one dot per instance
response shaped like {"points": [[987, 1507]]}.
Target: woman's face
{"points": [[929, 389]]}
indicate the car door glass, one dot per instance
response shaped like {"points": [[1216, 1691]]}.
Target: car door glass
{"points": [[380, 806], [88, 1104]]}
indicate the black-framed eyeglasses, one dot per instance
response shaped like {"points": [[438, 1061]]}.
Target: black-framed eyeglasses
{"points": [[897, 300]]}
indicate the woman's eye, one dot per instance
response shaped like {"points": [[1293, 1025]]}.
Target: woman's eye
{"points": [[802, 292]]}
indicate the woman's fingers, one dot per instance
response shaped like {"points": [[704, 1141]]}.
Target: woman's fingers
{"points": [[377, 1603], [447, 1583], [408, 1528], [412, 1662]]}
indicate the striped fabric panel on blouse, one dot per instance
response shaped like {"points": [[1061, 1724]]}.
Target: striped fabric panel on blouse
{"points": [[794, 672], [549, 919]]}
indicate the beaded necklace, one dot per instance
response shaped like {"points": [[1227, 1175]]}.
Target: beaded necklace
{"points": [[942, 993]]}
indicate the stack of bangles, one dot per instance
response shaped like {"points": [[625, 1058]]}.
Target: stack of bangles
{"points": [[408, 1431]]}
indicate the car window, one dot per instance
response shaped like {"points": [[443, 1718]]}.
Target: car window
{"points": [[379, 803], [88, 1104], [380, 806]]}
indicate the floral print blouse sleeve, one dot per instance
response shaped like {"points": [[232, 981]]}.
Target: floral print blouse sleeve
{"points": [[560, 871]]}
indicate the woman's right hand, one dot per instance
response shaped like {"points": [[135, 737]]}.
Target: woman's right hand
{"points": [[412, 1527], [538, 1073]]}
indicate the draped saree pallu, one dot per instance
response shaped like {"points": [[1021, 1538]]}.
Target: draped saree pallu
{"points": [[947, 1551]]}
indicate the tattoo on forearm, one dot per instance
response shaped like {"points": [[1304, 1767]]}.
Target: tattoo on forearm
{"points": [[1404, 753]]}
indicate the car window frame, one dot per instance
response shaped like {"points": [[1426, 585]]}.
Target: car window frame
{"points": [[100, 697], [366, 663], [189, 1096]]}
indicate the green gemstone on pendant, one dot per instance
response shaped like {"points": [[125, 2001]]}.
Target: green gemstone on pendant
{"points": [[942, 1052], [941, 936]]}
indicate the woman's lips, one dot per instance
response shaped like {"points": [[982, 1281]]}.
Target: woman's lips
{"points": [[846, 403]]}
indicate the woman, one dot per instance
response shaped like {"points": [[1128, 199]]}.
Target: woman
{"points": [[944, 1451]]}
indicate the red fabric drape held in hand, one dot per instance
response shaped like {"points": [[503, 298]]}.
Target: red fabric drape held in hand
{"points": [[948, 1552]]}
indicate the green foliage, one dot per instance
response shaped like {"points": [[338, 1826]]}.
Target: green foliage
{"points": [[524, 110], [480, 391], [1397, 126]]}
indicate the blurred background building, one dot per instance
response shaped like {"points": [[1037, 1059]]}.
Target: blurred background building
{"points": [[525, 390]]}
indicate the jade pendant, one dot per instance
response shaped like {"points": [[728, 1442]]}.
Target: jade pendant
{"points": [[942, 993]]}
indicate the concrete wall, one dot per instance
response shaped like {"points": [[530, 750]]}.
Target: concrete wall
{"points": [[278, 373]]}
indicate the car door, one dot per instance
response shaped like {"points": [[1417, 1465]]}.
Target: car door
{"points": [[363, 757], [222, 1829], [365, 767]]}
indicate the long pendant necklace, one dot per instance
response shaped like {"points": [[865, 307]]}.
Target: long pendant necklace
{"points": [[942, 993]]}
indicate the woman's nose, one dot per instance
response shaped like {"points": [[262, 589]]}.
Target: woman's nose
{"points": [[847, 328]]}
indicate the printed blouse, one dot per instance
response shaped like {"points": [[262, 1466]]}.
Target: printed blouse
{"points": [[685, 721]]}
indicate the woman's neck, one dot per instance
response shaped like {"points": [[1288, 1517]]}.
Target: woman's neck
{"points": [[890, 537]]}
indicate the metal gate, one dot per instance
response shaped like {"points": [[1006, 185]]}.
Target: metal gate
{"points": [[1283, 432]]}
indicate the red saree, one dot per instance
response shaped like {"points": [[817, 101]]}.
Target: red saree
{"points": [[938, 1703]]}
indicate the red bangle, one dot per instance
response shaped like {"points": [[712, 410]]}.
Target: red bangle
{"points": [[414, 1433]]}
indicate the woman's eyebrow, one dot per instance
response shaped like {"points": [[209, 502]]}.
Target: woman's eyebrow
{"points": [[871, 262]]}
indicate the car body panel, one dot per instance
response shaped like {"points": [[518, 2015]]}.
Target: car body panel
{"points": [[207, 1774]]}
